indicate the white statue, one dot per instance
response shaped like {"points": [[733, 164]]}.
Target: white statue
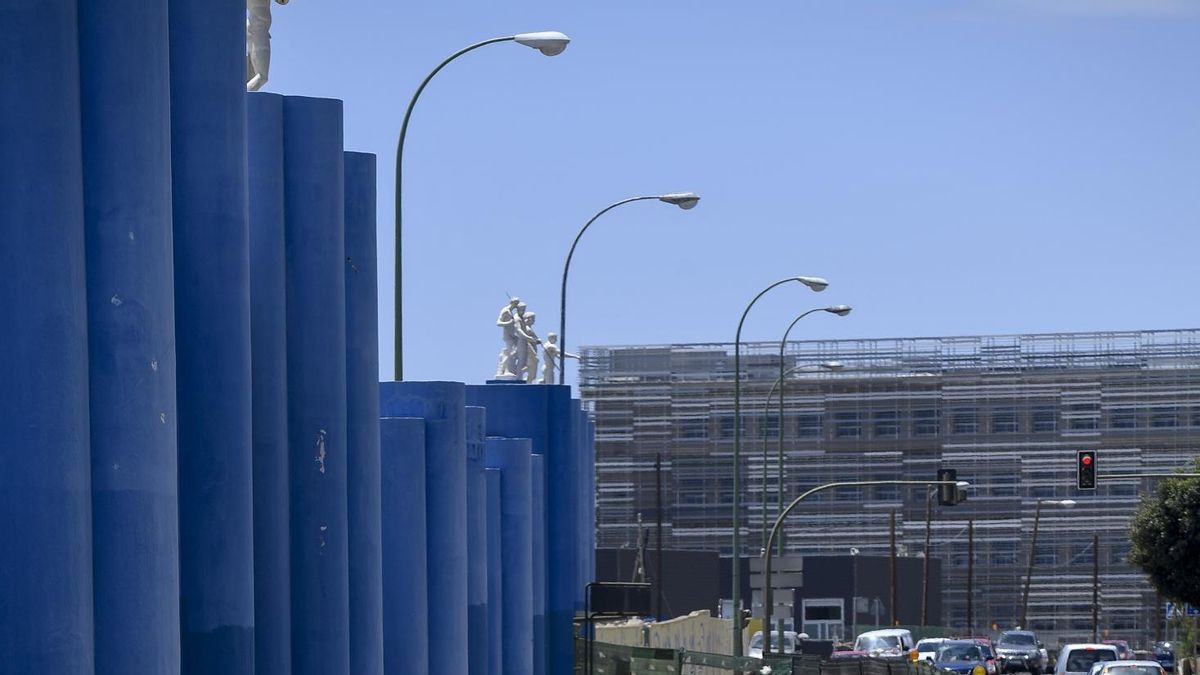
{"points": [[513, 334], [258, 42], [551, 357], [529, 359]]}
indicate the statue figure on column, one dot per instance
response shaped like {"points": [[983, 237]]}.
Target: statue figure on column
{"points": [[258, 42], [511, 333], [529, 361], [551, 356]]}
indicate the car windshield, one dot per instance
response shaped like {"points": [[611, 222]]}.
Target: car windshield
{"points": [[1132, 670], [1019, 639], [789, 643], [866, 643], [1082, 660], [959, 653], [928, 645]]}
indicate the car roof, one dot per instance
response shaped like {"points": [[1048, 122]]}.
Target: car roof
{"points": [[1131, 662], [1088, 645], [886, 632], [962, 642], [1017, 632]]}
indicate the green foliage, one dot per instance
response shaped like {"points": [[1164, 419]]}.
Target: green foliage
{"points": [[1165, 534]]}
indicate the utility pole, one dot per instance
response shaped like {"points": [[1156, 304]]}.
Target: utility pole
{"points": [[925, 565], [892, 559], [659, 573], [970, 576], [1095, 588]]}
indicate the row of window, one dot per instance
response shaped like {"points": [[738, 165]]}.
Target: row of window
{"points": [[961, 420]]}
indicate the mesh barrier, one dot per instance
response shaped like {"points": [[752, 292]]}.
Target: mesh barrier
{"points": [[610, 659]]}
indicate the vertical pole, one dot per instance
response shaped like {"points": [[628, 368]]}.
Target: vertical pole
{"points": [[659, 573], [892, 563], [1037, 514], [925, 561], [970, 575], [1158, 617], [1095, 588]]}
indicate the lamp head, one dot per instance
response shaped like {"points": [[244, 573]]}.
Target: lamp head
{"points": [[835, 366], [1067, 503], [840, 310], [548, 42], [684, 200], [816, 283]]}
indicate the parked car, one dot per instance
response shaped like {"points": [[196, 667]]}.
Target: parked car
{"points": [[756, 643], [1123, 651], [964, 657], [1127, 667], [1021, 650], [1078, 658], [927, 648], [989, 656], [847, 654], [887, 643], [1164, 653]]}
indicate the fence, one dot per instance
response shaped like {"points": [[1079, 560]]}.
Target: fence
{"points": [[610, 659]]}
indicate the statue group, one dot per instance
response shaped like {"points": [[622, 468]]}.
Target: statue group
{"points": [[519, 356]]}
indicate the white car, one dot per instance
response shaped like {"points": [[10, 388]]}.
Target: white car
{"points": [[790, 638], [887, 643], [927, 648], [1127, 667], [1078, 659]]}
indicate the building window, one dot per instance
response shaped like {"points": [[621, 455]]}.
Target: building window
{"points": [[1119, 554], [887, 493], [965, 421], [1045, 419], [1004, 553], [808, 426], [848, 494], [1004, 421], [1082, 554], [1120, 622], [887, 424], [771, 426], [726, 426], [1044, 557], [926, 423], [847, 424], [1084, 423], [693, 429], [1123, 418], [1162, 418]]}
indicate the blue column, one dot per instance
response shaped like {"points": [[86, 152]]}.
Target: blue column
{"points": [[125, 102], [537, 494], [405, 571], [316, 335], [442, 405], [513, 458], [45, 492], [590, 502], [362, 418], [477, 551], [212, 329], [562, 501], [578, 458], [268, 348], [495, 583]]}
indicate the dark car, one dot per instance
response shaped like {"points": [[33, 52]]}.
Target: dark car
{"points": [[1123, 651], [965, 657], [1164, 653], [1020, 650]]}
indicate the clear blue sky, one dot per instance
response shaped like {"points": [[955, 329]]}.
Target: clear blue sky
{"points": [[952, 167]]}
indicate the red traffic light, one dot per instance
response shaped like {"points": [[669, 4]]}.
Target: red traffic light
{"points": [[1087, 460]]}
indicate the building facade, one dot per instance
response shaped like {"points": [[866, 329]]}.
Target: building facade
{"points": [[1008, 412]]}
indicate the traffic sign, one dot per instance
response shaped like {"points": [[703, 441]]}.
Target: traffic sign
{"points": [[1193, 611]]}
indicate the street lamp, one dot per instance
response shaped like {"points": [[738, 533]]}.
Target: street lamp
{"points": [[833, 366], [684, 200], [549, 43], [1037, 515], [817, 284]]}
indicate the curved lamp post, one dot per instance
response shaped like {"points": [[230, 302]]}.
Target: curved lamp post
{"points": [[1037, 515], [767, 599], [833, 366], [550, 43], [816, 284], [684, 200]]}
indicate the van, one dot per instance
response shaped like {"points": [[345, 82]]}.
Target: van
{"points": [[1078, 659], [887, 643]]}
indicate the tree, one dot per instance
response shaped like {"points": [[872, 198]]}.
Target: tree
{"points": [[1165, 534]]}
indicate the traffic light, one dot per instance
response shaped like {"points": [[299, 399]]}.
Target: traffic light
{"points": [[949, 492], [1085, 469]]}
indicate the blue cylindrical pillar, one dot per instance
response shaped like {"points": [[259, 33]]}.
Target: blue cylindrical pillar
{"points": [[442, 405], [578, 457], [590, 503], [126, 102], [562, 500], [362, 418], [45, 491], [268, 347], [316, 334], [537, 494], [404, 540], [477, 551], [512, 456], [496, 597], [212, 329]]}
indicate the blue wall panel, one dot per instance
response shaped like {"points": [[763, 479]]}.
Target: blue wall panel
{"points": [[362, 408], [46, 559], [537, 493], [590, 503], [316, 334], [125, 102], [477, 552], [442, 405], [513, 458], [212, 328], [268, 347], [495, 583], [405, 568]]}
